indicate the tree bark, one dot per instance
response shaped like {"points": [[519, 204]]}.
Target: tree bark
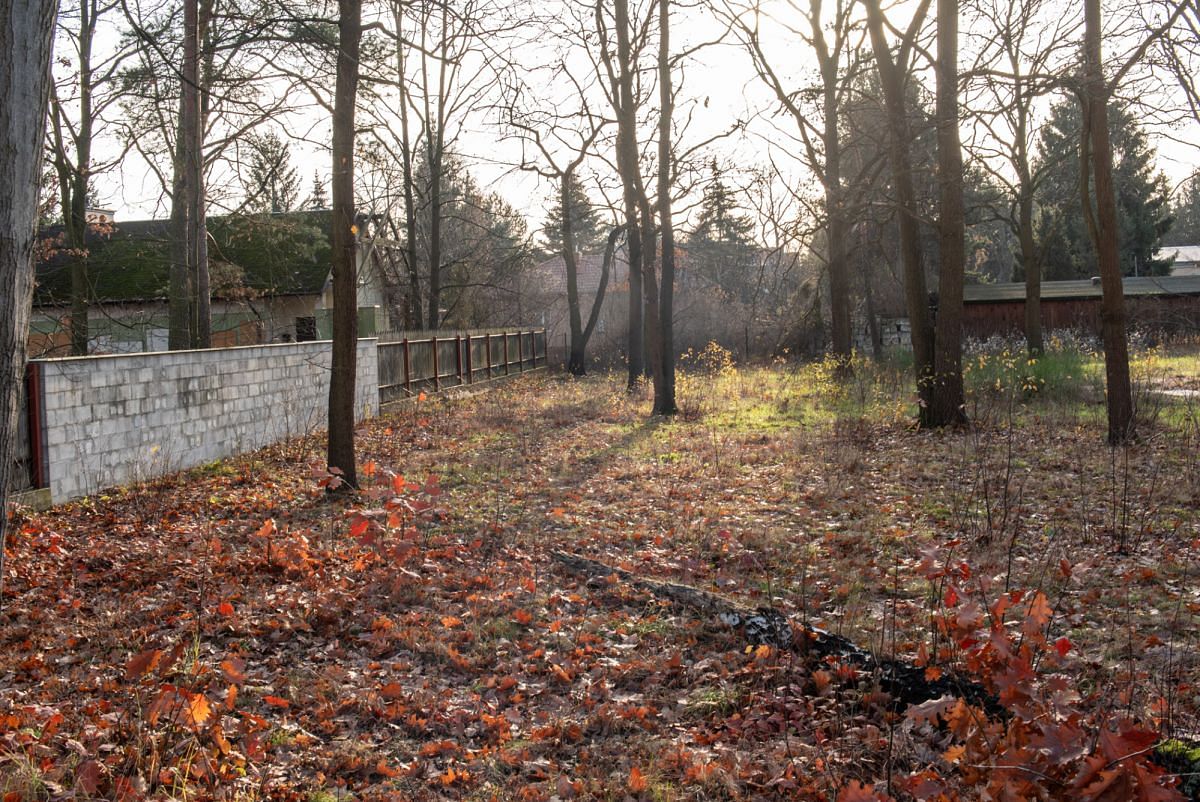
{"points": [[837, 228], [639, 236], [1095, 143], [899, 156], [26, 36], [198, 202], [74, 178], [345, 289], [575, 361], [413, 306], [948, 404], [1030, 258], [664, 371], [179, 295]]}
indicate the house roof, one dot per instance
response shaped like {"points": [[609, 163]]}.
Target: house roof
{"points": [[1082, 289], [552, 272], [275, 254], [1180, 253]]}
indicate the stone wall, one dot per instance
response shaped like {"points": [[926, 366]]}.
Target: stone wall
{"points": [[115, 420]]}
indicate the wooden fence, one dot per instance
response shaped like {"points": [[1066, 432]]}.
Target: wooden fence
{"points": [[25, 470], [414, 362]]}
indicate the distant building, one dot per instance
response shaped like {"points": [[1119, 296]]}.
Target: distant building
{"points": [[1187, 259], [1152, 302], [270, 278]]}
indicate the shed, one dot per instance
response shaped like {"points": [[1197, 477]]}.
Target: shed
{"points": [[1162, 303]]}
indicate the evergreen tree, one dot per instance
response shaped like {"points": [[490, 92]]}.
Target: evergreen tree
{"points": [[318, 199], [585, 220], [720, 247], [271, 183], [1140, 189], [1186, 209]]}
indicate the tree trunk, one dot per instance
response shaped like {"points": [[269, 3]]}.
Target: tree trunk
{"points": [[915, 293], [26, 34], [413, 305], [345, 285], [434, 315], [664, 387], [1030, 258], [640, 237], [948, 406], [200, 323], [1032, 264], [575, 361], [179, 296], [1104, 232], [835, 211]]}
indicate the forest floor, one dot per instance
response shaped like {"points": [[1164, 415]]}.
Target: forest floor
{"points": [[234, 632]]}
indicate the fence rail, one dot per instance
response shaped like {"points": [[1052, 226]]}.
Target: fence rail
{"points": [[431, 361]]}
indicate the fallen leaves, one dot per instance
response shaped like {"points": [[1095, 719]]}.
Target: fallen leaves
{"points": [[417, 642]]}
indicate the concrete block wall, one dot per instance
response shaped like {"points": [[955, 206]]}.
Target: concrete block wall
{"points": [[120, 419]]}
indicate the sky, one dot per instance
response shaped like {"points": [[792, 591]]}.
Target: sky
{"points": [[719, 88]]}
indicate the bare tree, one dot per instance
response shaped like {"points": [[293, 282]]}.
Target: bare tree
{"points": [[187, 100], [621, 66], [1018, 65], [947, 401], [892, 71], [664, 365], [26, 35], [78, 103], [446, 65], [345, 281], [1096, 181], [834, 39], [562, 143]]}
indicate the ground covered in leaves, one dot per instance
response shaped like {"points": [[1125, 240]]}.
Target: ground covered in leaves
{"points": [[237, 633]]}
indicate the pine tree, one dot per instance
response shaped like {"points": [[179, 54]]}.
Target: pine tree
{"points": [[720, 247], [318, 199], [585, 221], [272, 184], [1140, 189], [1186, 209]]}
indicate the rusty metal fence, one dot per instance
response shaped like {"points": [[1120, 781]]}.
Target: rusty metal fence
{"points": [[415, 362]]}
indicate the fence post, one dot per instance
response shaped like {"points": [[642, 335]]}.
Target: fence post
{"points": [[33, 419], [437, 382], [407, 370], [520, 352], [458, 360], [470, 367], [487, 347], [507, 361]]}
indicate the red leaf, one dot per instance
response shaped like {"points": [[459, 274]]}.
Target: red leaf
{"points": [[359, 526], [1038, 616], [87, 777], [225, 609], [276, 701], [1062, 646], [267, 529], [855, 791], [143, 663], [637, 780], [233, 670]]}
